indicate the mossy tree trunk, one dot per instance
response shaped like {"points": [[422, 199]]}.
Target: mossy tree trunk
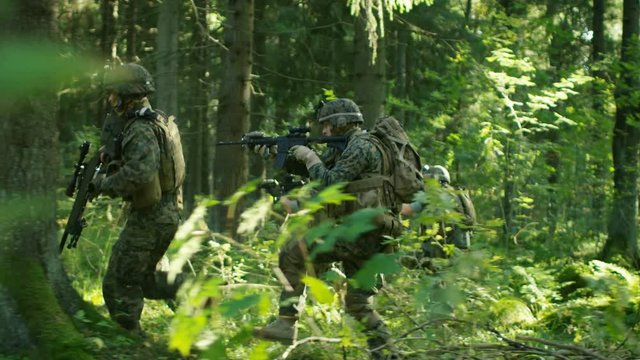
{"points": [[36, 297]]}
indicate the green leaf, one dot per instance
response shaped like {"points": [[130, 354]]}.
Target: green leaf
{"points": [[215, 351], [231, 308], [259, 352], [366, 278], [185, 330], [254, 216], [320, 291]]}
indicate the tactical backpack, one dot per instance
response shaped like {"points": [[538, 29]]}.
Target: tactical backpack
{"points": [[466, 207], [458, 234], [402, 159], [172, 165], [400, 178]]}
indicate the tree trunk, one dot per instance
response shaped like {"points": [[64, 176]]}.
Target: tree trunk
{"points": [[369, 73], [258, 98], [197, 135], [402, 39], [623, 219], [109, 14], [552, 157], [167, 65], [600, 166], [131, 14], [230, 166], [35, 292]]}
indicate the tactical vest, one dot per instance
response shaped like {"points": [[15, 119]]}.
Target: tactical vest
{"points": [[372, 190], [170, 176]]}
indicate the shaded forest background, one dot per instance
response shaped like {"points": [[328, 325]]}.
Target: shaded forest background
{"points": [[531, 105]]}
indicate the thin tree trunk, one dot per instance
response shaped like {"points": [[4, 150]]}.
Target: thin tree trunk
{"points": [[369, 73], [109, 14], [552, 157], [167, 64], [600, 168], [131, 14], [402, 38], [626, 140], [258, 99], [230, 166], [198, 128]]}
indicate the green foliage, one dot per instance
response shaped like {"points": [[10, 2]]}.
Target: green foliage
{"points": [[501, 97], [30, 66]]}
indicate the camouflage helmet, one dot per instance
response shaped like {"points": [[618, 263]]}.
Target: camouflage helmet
{"points": [[437, 172], [129, 79], [340, 112]]}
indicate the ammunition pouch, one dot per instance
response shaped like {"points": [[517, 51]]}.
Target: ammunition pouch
{"points": [[389, 224], [148, 195]]}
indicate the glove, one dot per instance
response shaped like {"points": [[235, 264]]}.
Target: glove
{"points": [[262, 150], [305, 155], [266, 151], [95, 186]]}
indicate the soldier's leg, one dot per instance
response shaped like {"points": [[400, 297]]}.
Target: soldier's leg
{"points": [[293, 262], [131, 258], [359, 302], [156, 284], [122, 284]]}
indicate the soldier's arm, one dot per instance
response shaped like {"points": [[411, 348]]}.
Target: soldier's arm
{"points": [[140, 161], [359, 157]]}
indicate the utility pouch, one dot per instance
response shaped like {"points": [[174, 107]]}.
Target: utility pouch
{"points": [[148, 195]]}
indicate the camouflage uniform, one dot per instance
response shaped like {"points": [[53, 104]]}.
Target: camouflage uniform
{"points": [[458, 235], [131, 274], [360, 157]]}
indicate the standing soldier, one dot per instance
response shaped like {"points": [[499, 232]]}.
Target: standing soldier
{"points": [[145, 145], [362, 160]]}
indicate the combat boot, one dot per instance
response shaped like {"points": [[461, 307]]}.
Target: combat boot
{"points": [[283, 329]]}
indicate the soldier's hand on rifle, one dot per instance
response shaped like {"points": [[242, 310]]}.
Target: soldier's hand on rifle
{"points": [[266, 151], [95, 186], [305, 155], [289, 205], [262, 150]]}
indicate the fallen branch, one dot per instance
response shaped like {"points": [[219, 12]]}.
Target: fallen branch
{"points": [[575, 348], [292, 347]]}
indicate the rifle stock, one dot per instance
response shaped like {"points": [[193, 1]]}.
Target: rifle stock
{"points": [[83, 175]]}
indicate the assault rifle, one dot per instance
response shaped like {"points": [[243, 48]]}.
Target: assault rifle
{"points": [[296, 136], [83, 173], [278, 189]]}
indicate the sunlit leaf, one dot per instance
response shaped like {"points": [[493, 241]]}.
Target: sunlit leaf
{"points": [[254, 216], [185, 330], [319, 290]]}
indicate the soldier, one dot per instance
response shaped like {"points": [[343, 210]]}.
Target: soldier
{"points": [[458, 234], [362, 159], [145, 145]]}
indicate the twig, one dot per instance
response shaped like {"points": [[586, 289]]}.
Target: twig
{"points": [[524, 347], [306, 340], [247, 285], [575, 348]]}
